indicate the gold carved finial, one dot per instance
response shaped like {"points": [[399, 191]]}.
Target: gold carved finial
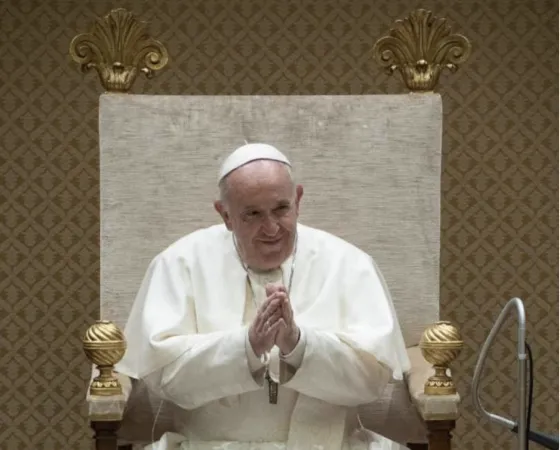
{"points": [[118, 47], [104, 345], [420, 47], [440, 344]]}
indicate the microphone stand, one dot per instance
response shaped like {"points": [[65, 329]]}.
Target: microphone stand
{"points": [[521, 426]]}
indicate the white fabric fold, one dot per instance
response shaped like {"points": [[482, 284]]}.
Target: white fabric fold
{"points": [[187, 338]]}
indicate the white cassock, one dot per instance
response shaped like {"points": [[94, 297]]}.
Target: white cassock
{"points": [[187, 339]]}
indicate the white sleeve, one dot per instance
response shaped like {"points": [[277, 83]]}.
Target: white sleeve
{"points": [[165, 349], [212, 367], [337, 372], [256, 366], [295, 357], [351, 365]]}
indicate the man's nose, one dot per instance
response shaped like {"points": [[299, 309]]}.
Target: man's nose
{"points": [[270, 226]]}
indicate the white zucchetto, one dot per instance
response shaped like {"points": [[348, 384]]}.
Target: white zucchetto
{"points": [[250, 152]]}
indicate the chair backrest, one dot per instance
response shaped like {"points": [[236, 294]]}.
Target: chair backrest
{"points": [[370, 166]]}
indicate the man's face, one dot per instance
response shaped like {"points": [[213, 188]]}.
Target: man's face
{"points": [[262, 208]]}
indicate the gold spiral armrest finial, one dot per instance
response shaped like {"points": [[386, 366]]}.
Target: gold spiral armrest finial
{"points": [[104, 345], [440, 344]]}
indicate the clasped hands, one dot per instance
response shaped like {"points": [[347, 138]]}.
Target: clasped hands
{"points": [[274, 323]]}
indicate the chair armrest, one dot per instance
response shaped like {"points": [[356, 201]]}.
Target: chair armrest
{"points": [[104, 408], [430, 407]]}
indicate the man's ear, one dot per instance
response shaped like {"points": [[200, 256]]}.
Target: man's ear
{"points": [[299, 194], [222, 211]]}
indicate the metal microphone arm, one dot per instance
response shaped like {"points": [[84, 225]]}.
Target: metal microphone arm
{"points": [[521, 426]]}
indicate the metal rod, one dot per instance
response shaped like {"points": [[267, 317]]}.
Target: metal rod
{"points": [[521, 372]]}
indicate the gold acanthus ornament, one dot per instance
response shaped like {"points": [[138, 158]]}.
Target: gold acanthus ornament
{"points": [[420, 47], [118, 47]]}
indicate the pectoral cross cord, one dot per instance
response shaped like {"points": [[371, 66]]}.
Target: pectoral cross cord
{"points": [[272, 385], [272, 389]]}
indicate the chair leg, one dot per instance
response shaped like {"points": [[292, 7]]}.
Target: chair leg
{"points": [[439, 434], [105, 434]]}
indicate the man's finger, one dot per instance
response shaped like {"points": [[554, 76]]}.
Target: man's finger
{"points": [[272, 306], [271, 322], [275, 327], [271, 318], [282, 324], [272, 309], [271, 302], [267, 302], [287, 312], [277, 314], [278, 295], [258, 321], [268, 319], [271, 288]]}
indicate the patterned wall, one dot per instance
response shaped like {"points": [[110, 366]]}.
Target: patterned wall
{"points": [[500, 185]]}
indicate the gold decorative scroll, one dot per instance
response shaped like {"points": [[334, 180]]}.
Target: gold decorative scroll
{"points": [[118, 47], [420, 47]]}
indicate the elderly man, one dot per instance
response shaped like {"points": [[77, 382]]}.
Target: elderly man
{"points": [[267, 334]]}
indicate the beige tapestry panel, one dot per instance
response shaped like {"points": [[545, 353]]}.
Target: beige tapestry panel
{"points": [[499, 194]]}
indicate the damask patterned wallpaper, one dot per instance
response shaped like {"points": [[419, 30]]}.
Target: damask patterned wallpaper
{"points": [[500, 185]]}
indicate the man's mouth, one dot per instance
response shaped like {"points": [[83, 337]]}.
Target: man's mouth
{"points": [[271, 241]]}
